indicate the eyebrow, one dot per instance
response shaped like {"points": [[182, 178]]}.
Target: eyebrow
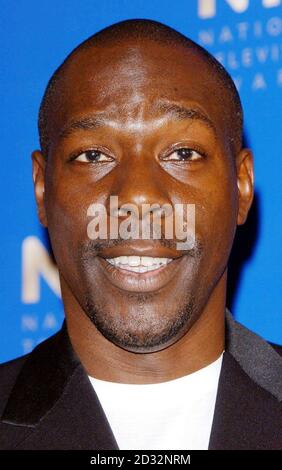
{"points": [[176, 111], [181, 112]]}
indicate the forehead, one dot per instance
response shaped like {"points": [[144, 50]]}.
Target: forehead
{"points": [[127, 79]]}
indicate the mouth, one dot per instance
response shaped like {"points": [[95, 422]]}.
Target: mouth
{"points": [[140, 273], [138, 264]]}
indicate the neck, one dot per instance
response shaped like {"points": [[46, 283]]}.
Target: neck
{"points": [[101, 358]]}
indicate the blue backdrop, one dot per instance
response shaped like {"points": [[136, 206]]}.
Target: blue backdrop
{"points": [[36, 36]]}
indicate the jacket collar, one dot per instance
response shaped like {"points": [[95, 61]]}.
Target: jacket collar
{"points": [[53, 392], [256, 357], [53, 404], [246, 417]]}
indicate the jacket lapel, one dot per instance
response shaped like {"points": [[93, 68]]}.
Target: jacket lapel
{"points": [[53, 405], [248, 412], [246, 416]]}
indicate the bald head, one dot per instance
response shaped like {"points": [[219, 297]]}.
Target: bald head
{"points": [[139, 32]]}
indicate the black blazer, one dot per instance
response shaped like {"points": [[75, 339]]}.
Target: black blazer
{"points": [[48, 402]]}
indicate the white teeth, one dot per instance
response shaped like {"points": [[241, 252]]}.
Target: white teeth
{"points": [[147, 260], [134, 260], [138, 264]]}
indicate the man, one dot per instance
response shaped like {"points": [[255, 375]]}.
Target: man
{"points": [[149, 357]]}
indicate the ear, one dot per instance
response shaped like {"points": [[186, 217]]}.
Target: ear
{"points": [[245, 183], [38, 170]]}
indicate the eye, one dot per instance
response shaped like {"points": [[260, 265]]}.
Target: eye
{"points": [[93, 156], [183, 154]]}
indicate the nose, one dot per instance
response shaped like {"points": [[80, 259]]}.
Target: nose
{"points": [[140, 184]]}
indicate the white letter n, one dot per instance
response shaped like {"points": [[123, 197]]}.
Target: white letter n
{"points": [[36, 261], [207, 8]]}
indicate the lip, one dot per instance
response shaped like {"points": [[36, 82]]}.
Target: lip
{"points": [[150, 281], [140, 249]]}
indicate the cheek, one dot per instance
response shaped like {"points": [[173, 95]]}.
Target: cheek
{"points": [[215, 196], [68, 197], [217, 218], [66, 212], [216, 203], [66, 208]]}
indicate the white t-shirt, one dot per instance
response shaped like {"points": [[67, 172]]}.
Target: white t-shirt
{"points": [[172, 415]]}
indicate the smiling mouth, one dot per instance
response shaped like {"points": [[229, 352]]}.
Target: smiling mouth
{"points": [[140, 273], [139, 264]]}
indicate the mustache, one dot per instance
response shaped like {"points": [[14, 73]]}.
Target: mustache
{"points": [[96, 247]]}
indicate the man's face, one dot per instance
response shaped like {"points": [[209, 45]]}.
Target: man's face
{"points": [[120, 102]]}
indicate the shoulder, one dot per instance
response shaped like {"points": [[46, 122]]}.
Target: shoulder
{"points": [[9, 372], [276, 347], [260, 360], [43, 352], [21, 377], [11, 368]]}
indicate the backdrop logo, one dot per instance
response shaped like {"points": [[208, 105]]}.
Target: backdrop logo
{"points": [[37, 263], [208, 8], [249, 47]]}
